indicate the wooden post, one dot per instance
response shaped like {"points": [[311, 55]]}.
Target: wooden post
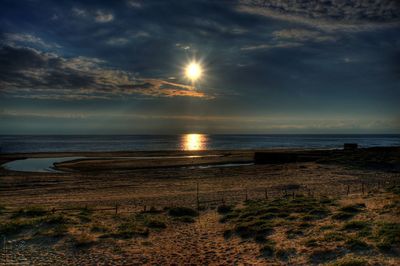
{"points": [[293, 195], [144, 208], [348, 190], [116, 208]]}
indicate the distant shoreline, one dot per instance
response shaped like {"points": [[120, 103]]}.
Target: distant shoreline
{"points": [[169, 152], [76, 144]]}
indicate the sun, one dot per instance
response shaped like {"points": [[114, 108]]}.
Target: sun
{"points": [[193, 71]]}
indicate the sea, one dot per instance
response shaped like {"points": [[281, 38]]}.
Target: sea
{"points": [[185, 142]]}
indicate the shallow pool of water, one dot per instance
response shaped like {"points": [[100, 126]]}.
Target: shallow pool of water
{"points": [[222, 165], [46, 165], [41, 165]]}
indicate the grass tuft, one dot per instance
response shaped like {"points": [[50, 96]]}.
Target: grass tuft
{"points": [[267, 249], [354, 208], [182, 211], [16, 226], [356, 225], [389, 235], [395, 189], [333, 236], [33, 211], [356, 244], [97, 228], [157, 224], [284, 254], [350, 261], [258, 218], [83, 240], [222, 209], [185, 219], [311, 243], [342, 216]]}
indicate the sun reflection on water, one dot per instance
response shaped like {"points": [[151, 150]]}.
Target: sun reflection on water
{"points": [[194, 142]]}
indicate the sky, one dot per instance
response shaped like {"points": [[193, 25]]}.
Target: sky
{"points": [[117, 67]]}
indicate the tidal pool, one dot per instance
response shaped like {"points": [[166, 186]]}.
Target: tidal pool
{"points": [[46, 165], [41, 165]]}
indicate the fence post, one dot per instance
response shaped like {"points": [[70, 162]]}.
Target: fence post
{"points": [[348, 190], [116, 208]]}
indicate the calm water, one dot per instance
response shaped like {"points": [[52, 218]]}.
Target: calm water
{"points": [[37, 164], [11, 144], [47, 164]]}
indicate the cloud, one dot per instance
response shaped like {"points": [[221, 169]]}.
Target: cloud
{"points": [[79, 12], [103, 17], [129, 36], [290, 38], [355, 15], [134, 4], [30, 73], [99, 16], [302, 35], [117, 41], [169, 89], [24, 38], [271, 46]]}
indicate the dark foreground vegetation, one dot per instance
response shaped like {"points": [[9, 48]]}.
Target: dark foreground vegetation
{"points": [[332, 232]]}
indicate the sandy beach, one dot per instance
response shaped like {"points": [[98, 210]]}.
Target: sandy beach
{"points": [[169, 180]]}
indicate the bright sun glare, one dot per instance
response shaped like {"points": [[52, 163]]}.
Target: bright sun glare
{"points": [[194, 142], [193, 71]]}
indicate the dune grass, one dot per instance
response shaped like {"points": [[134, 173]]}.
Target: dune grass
{"points": [[350, 261], [258, 219], [182, 211], [388, 236], [347, 212], [33, 211]]}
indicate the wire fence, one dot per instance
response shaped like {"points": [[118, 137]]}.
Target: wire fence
{"points": [[206, 200]]}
